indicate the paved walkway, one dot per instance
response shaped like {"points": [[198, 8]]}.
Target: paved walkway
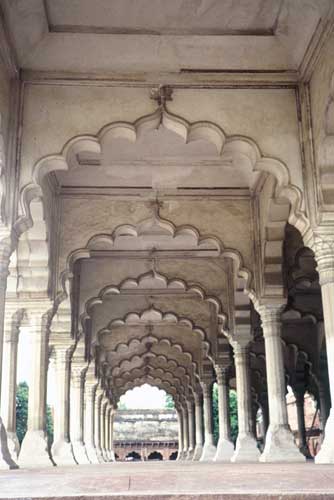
{"points": [[171, 481]]}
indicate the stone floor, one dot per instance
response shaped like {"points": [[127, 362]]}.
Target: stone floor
{"points": [[171, 481]]}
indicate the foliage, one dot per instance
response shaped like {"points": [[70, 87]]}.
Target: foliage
{"points": [[233, 414], [169, 402], [121, 405], [22, 397]]}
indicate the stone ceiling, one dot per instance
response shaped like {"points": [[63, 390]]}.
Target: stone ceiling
{"points": [[178, 35]]}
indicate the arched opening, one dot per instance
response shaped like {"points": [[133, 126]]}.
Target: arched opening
{"points": [[173, 456], [146, 419], [155, 455], [133, 456]]}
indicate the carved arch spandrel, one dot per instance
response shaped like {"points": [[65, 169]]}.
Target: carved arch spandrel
{"points": [[228, 147]]}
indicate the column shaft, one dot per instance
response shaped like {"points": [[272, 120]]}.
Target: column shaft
{"points": [[6, 460], [199, 426], [89, 425], [191, 428], [279, 444], [8, 392], [34, 449], [180, 420], [325, 260], [185, 432], [225, 448], [76, 415], [246, 446], [209, 449]]}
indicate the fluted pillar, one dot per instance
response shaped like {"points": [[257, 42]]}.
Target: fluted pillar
{"points": [[279, 444], [191, 429], [103, 430], [225, 448], [209, 449], [323, 248], [185, 431], [62, 447], [198, 426], [89, 415], [6, 460], [111, 434], [299, 393], [180, 421], [77, 413], [34, 448], [97, 423], [9, 370], [246, 447]]}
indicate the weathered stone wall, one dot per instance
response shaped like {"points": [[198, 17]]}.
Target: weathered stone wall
{"points": [[145, 425]]}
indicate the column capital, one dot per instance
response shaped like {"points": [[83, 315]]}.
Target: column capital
{"points": [[206, 388], [190, 405], [5, 253], [198, 397], [323, 247], [222, 374]]}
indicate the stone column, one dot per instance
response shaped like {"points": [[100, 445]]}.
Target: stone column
{"points": [[6, 460], [246, 447], [323, 406], [209, 449], [62, 448], [191, 428], [103, 411], [299, 393], [111, 434], [76, 413], [9, 369], [199, 426], [89, 415], [97, 423], [279, 444], [324, 255], [180, 420], [225, 448], [107, 431], [185, 431], [34, 448]]}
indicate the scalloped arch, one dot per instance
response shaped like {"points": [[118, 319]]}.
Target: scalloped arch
{"points": [[157, 281], [164, 342], [151, 316], [202, 130]]}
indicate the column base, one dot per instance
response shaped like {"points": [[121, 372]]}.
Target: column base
{"points": [[13, 444], [34, 450], [99, 455], [326, 453], [6, 460], [180, 455], [225, 450], [197, 452], [208, 453], [112, 456], [79, 452], [62, 453], [246, 450], [92, 455], [280, 446], [190, 454]]}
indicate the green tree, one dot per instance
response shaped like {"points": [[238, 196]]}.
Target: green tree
{"points": [[22, 397], [169, 402], [121, 405], [233, 414]]}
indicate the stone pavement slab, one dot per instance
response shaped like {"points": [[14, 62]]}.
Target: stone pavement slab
{"points": [[171, 481]]}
